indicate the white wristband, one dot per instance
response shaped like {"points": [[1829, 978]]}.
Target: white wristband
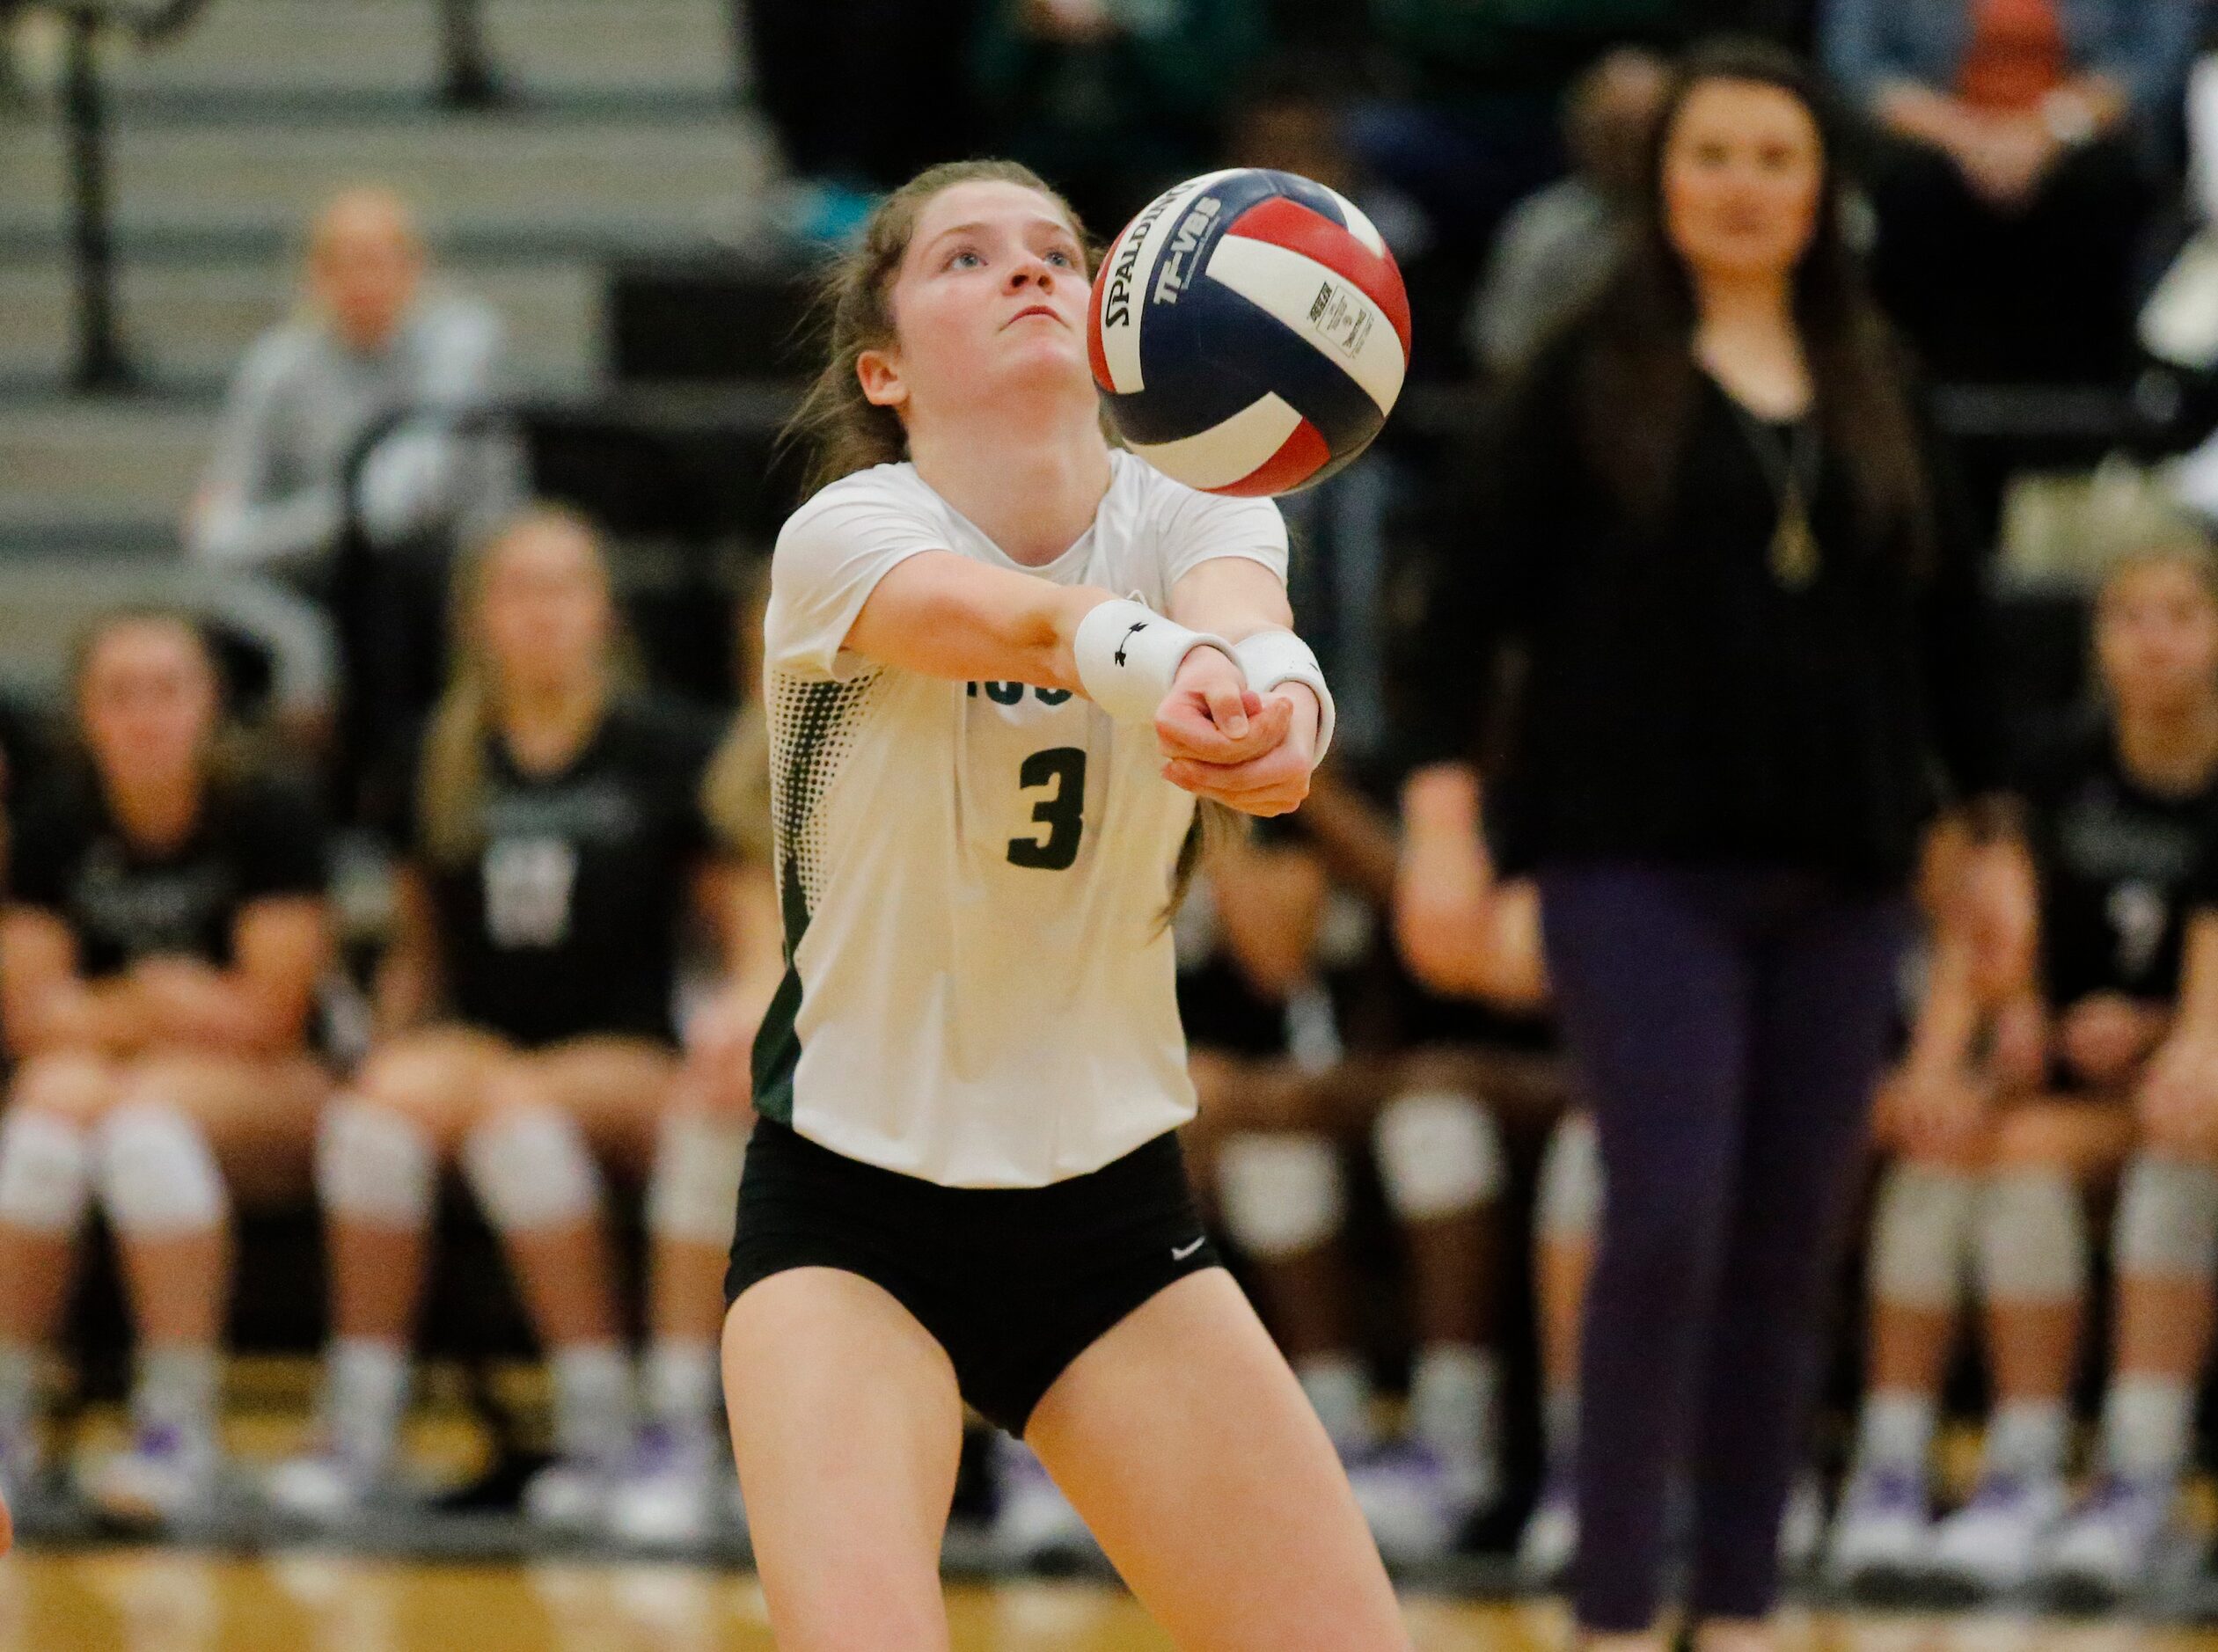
{"points": [[1128, 656], [1276, 655]]}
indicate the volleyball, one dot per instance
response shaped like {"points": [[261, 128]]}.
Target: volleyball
{"points": [[1249, 332]]}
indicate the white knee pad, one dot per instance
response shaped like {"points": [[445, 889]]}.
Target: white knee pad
{"points": [[45, 1172], [1280, 1192], [2032, 1237], [1571, 1192], [1438, 1153], [530, 1169], [374, 1164], [1921, 1237], [156, 1176], [2167, 1220], [694, 1194]]}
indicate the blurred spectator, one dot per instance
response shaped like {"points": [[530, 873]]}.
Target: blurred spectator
{"points": [[373, 349], [1114, 100], [2019, 1097], [2019, 145], [370, 343], [159, 960], [561, 835], [1558, 247]]}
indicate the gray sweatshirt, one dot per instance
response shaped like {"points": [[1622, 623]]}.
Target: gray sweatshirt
{"points": [[303, 399]]}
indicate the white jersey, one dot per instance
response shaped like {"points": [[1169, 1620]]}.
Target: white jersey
{"points": [[974, 875]]}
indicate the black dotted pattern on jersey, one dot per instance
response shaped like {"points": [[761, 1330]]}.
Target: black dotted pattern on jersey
{"points": [[812, 727]]}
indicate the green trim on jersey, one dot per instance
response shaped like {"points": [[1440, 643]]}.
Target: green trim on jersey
{"points": [[778, 1040], [805, 722]]}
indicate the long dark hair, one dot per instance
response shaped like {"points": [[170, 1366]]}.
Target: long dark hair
{"points": [[1641, 332]]}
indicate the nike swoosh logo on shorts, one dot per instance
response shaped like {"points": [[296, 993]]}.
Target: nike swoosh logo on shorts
{"points": [[1180, 1252]]}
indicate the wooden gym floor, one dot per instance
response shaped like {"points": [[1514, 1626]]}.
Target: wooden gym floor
{"points": [[170, 1600]]}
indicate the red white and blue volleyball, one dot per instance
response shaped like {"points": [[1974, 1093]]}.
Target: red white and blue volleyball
{"points": [[1249, 332]]}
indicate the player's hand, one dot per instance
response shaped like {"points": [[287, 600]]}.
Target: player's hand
{"points": [[187, 1000], [1273, 783], [1211, 716], [1443, 895], [1933, 1110], [2178, 1102], [2106, 1035], [720, 1037]]}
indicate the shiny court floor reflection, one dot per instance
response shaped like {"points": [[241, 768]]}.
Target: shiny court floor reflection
{"points": [[151, 1600]]}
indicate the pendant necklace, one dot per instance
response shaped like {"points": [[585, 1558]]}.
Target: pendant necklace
{"points": [[1791, 465]]}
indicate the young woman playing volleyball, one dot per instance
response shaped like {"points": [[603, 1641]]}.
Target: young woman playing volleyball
{"points": [[964, 1183]]}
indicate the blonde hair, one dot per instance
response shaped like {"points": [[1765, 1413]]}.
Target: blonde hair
{"points": [[2181, 545], [450, 779], [842, 429]]}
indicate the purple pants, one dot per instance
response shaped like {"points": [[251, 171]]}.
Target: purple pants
{"points": [[1730, 1025]]}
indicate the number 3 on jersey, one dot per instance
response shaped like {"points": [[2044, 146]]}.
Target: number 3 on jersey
{"points": [[1061, 770]]}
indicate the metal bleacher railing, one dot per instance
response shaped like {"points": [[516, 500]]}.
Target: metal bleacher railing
{"points": [[99, 362]]}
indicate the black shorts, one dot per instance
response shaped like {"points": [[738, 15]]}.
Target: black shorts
{"points": [[1014, 1283]]}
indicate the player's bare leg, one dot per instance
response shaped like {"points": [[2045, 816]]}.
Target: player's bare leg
{"points": [[847, 1427], [1183, 1439]]}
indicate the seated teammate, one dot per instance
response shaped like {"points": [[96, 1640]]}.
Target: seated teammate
{"points": [[526, 1034], [1997, 1155], [1298, 1061], [160, 957]]}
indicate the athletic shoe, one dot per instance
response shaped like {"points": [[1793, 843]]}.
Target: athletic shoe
{"points": [[1033, 1521], [2112, 1539], [1990, 1545], [22, 1465], [570, 1494], [325, 1488], [1884, 1528], [1801, 1527], [666, 1496], [1409, 1501], [167, 1475], [1550, 1539]]}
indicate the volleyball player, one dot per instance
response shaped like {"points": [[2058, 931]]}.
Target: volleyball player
{"points": [[159, 958], [965, 1182], [526, 1034], [2119, 816]]}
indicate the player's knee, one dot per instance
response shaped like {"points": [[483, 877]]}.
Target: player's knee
{"points": [[692, 1195], [1439, 1153], [1569, 1201], [45, 1170], [2031, 1235], [1280, 1192], [529, 1165], [157, 1177], [374, 1165], [2168, 1219], [1920, 1228]]}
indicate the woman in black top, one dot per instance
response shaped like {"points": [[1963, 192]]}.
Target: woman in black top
{"points": [[562, 839], [159, 960], [1743, 635]]}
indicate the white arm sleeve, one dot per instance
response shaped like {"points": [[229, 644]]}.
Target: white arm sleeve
{"points": [[831, 555], [1195, 528]]}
